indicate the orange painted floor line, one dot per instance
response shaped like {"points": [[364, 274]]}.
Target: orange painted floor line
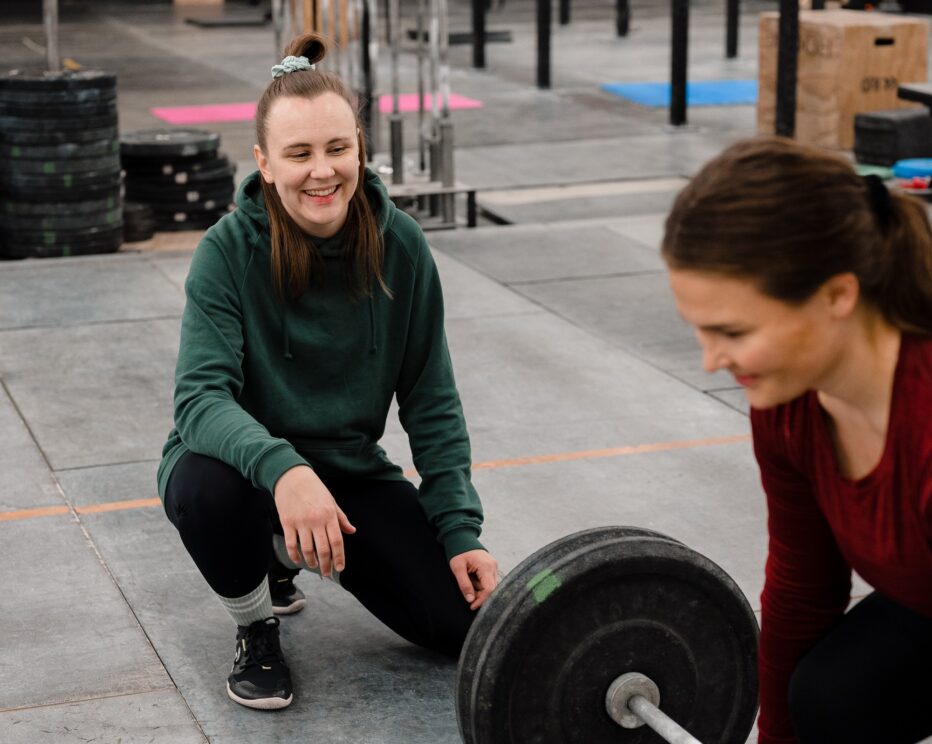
{"points": [[637, 449]]}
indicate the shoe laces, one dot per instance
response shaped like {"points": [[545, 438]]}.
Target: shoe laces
{"points": [[260, 643]]}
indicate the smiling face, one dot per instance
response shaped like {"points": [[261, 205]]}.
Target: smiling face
{"points": [[312, 159], [775, 350]]}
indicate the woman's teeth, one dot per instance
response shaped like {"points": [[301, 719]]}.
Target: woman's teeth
{"points": [[321, 192]]}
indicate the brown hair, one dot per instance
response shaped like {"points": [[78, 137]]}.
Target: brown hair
{"points": [[790, 217], [295, 259]]}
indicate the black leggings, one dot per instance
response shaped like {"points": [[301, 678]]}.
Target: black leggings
{"points": [[394, 565], [869, 680]]}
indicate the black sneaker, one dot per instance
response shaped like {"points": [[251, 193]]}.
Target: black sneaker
{"points": [[287, 599], [260, 678]]}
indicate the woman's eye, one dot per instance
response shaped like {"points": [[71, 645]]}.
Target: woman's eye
{"points": [[732, 334], [299, 155], [338, 150]]}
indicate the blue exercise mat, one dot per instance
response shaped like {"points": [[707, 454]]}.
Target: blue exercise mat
{"points": [[698, 93]]}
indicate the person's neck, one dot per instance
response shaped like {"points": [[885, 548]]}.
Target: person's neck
{"points": [[861, 381]]}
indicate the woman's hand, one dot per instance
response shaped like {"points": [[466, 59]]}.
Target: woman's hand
{"points": [[476, 572], [312, 521]]}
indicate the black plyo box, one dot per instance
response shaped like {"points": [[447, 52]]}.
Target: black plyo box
{"points": [[883, 137]]}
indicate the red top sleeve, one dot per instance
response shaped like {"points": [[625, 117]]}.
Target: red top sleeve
{"points": [[807, 581]]}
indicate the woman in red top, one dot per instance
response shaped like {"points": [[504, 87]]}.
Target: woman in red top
{"points": [[813, 287]]}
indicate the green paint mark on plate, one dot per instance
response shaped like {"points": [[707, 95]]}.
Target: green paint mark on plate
{"points": [[544, 584]]}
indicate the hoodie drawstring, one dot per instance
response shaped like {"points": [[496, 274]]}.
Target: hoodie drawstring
{"points": [[286, 341], [375, 346]]}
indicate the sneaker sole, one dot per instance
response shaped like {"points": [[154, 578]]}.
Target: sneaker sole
{"points": [[291, 609], [274, 703]]}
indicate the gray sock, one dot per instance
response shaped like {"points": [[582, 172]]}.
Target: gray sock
{"points": [[255, 606]]}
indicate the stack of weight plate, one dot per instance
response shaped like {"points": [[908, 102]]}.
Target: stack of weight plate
{"points": [[180, 174], [59, 164]]}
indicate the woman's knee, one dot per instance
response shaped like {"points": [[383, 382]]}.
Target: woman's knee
{"points": [[204, 491]]}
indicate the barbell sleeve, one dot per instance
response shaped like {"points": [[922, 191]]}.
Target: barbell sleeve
{"points": [[659, 721]]}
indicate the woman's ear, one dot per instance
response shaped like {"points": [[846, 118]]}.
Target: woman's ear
{"points": [[841, 293], [263, 163]]}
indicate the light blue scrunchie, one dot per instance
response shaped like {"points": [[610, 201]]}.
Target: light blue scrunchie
{"points": [[292, 64]]}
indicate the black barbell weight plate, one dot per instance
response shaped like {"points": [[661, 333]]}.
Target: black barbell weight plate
{"points": [[201, 223], [57, 97], [63, 151], [61, 236], [47, 167], [178, 191], [35, 184], [586, 609], [532, 571], [19, 249], [49, 138], [168, 143], [214, 176], [138, 236], [189, 214], [163, 210], [62, 221], [108, 200], [58, 125], [42, 81], [175, 199], [165, 167], [59, 111]]}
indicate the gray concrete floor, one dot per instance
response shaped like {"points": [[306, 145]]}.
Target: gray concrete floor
{"points": [[563, 334]]}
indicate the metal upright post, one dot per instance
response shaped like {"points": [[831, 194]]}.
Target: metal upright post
{"points": [[50, 20], [731, 29], [787, 54], [370, 55], [478, 34], [564, 12], [278, 26], [622, 17], [543, 43], [679, 59], [818, 4], [395, 119]]}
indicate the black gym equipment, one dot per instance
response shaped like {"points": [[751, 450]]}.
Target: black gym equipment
{"points": [[603, 623], [179, 175], [60, 174]]}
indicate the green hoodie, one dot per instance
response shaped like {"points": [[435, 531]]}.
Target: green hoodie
{"points": [[263, 386]]}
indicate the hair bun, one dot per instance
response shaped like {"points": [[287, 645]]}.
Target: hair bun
{"points": [[312, 46]]}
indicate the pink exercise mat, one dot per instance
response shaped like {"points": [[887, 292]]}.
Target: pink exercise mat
{"points": [[219, 112]]}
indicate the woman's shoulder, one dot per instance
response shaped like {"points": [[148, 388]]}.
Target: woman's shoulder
{"points": [[405, 240], [229, 245]]}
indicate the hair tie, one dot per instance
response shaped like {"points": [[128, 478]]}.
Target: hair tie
{"points": [[292, 64], [879, 199]]}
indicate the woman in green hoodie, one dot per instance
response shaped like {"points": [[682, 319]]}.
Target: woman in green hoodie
{"points": [[308, 309]]}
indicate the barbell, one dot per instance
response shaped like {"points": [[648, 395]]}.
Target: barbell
{"points": [[607, 635]]}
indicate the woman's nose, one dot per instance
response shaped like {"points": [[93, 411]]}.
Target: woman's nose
{"points": [[712, 357], [320, 168]]}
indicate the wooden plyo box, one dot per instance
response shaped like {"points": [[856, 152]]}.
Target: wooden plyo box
{"points": [[849, 62]]}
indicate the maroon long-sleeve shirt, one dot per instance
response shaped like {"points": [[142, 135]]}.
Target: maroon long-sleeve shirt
{"points": [[822, 525]]}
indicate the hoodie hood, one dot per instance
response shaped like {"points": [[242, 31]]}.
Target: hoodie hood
{"points": [[255, 217]]}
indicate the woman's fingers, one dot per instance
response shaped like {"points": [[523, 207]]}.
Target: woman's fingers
{"points": [[344, 522], [307, 546], [322, 542], [291, 544], [335, 535]]}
